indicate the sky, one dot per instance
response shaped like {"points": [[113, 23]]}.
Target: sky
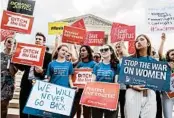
{"points": [[131, 12]]}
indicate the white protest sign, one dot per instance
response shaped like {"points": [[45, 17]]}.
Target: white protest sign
{"points": [[18, 22], [160, 18], [29, 53], [52, 98]]}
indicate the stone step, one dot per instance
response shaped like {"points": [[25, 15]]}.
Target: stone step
{"points": [[14, 103], [13, 111], [17, 89], [16, 95]]}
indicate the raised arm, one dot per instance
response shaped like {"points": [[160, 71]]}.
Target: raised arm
{"points": [[160, 51]]}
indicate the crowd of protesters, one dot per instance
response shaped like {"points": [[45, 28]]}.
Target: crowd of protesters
{"points": [[135, 101]]}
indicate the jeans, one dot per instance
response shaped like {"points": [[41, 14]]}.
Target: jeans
{"points": [[167, 106]]}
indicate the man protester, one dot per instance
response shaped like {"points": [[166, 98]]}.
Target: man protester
{"points": [[32, 73]]}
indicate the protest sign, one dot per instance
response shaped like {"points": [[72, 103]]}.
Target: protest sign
{"points": [[55, 28], [170, 94], [101, 95], [16, 22], [126, 33], [160, 18], [21, 6], [5, 34], [73, 35], [81, 76], [94, 38], [151, 73], [29, 54], [131, 47], [49, 99], [79, 24], [114, 29]]}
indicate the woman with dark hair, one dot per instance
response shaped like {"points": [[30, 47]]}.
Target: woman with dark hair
{"points": [[106, 71], [167, 102], [140, 101], [8, 71], [85, 61], [97, 57]]}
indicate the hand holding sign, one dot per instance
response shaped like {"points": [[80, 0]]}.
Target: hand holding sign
{"points": [[139, 87], [38, 69]]}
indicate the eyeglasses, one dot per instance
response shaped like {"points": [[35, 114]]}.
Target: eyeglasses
{"points": [[117, 47], [104, 50]]}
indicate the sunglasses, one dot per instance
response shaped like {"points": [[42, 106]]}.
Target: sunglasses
{"points": [[104, 50], [96, 57], [9, 41]]}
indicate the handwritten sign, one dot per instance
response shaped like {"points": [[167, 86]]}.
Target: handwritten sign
{"points": [[5, 34], [160, 18], [73, 35], [29, 54], [55, 28], [81, 76], [21, 6], [101, 95], [17, 22], [151, 73], [47, 97], [95, 38]]}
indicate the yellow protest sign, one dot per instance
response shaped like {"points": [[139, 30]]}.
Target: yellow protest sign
{"points": [[56, 27]]}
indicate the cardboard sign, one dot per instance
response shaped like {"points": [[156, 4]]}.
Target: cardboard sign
{"points": [[55, 28], [73, 35], [49, 100], [95, 38], [101, 95], [131, 47], [29, 54], [16, 22], [5, 34], [81, 76], [79, 24], [151, 73], [114, 29], [160, 18], [21, 6]]}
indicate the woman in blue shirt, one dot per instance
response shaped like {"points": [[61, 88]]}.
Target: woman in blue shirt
{"points": [[59, 70], [85, 61], [140, 101], [106, 71]]}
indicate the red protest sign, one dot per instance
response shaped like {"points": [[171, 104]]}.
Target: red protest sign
{"points": [[73, 35], [114, 29], [101, 95], [131, 47], [17, 22], [170, 94], [81, 76], [95, 38], [126, 33], [79, 24], [6, 33], [29, 54]]}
